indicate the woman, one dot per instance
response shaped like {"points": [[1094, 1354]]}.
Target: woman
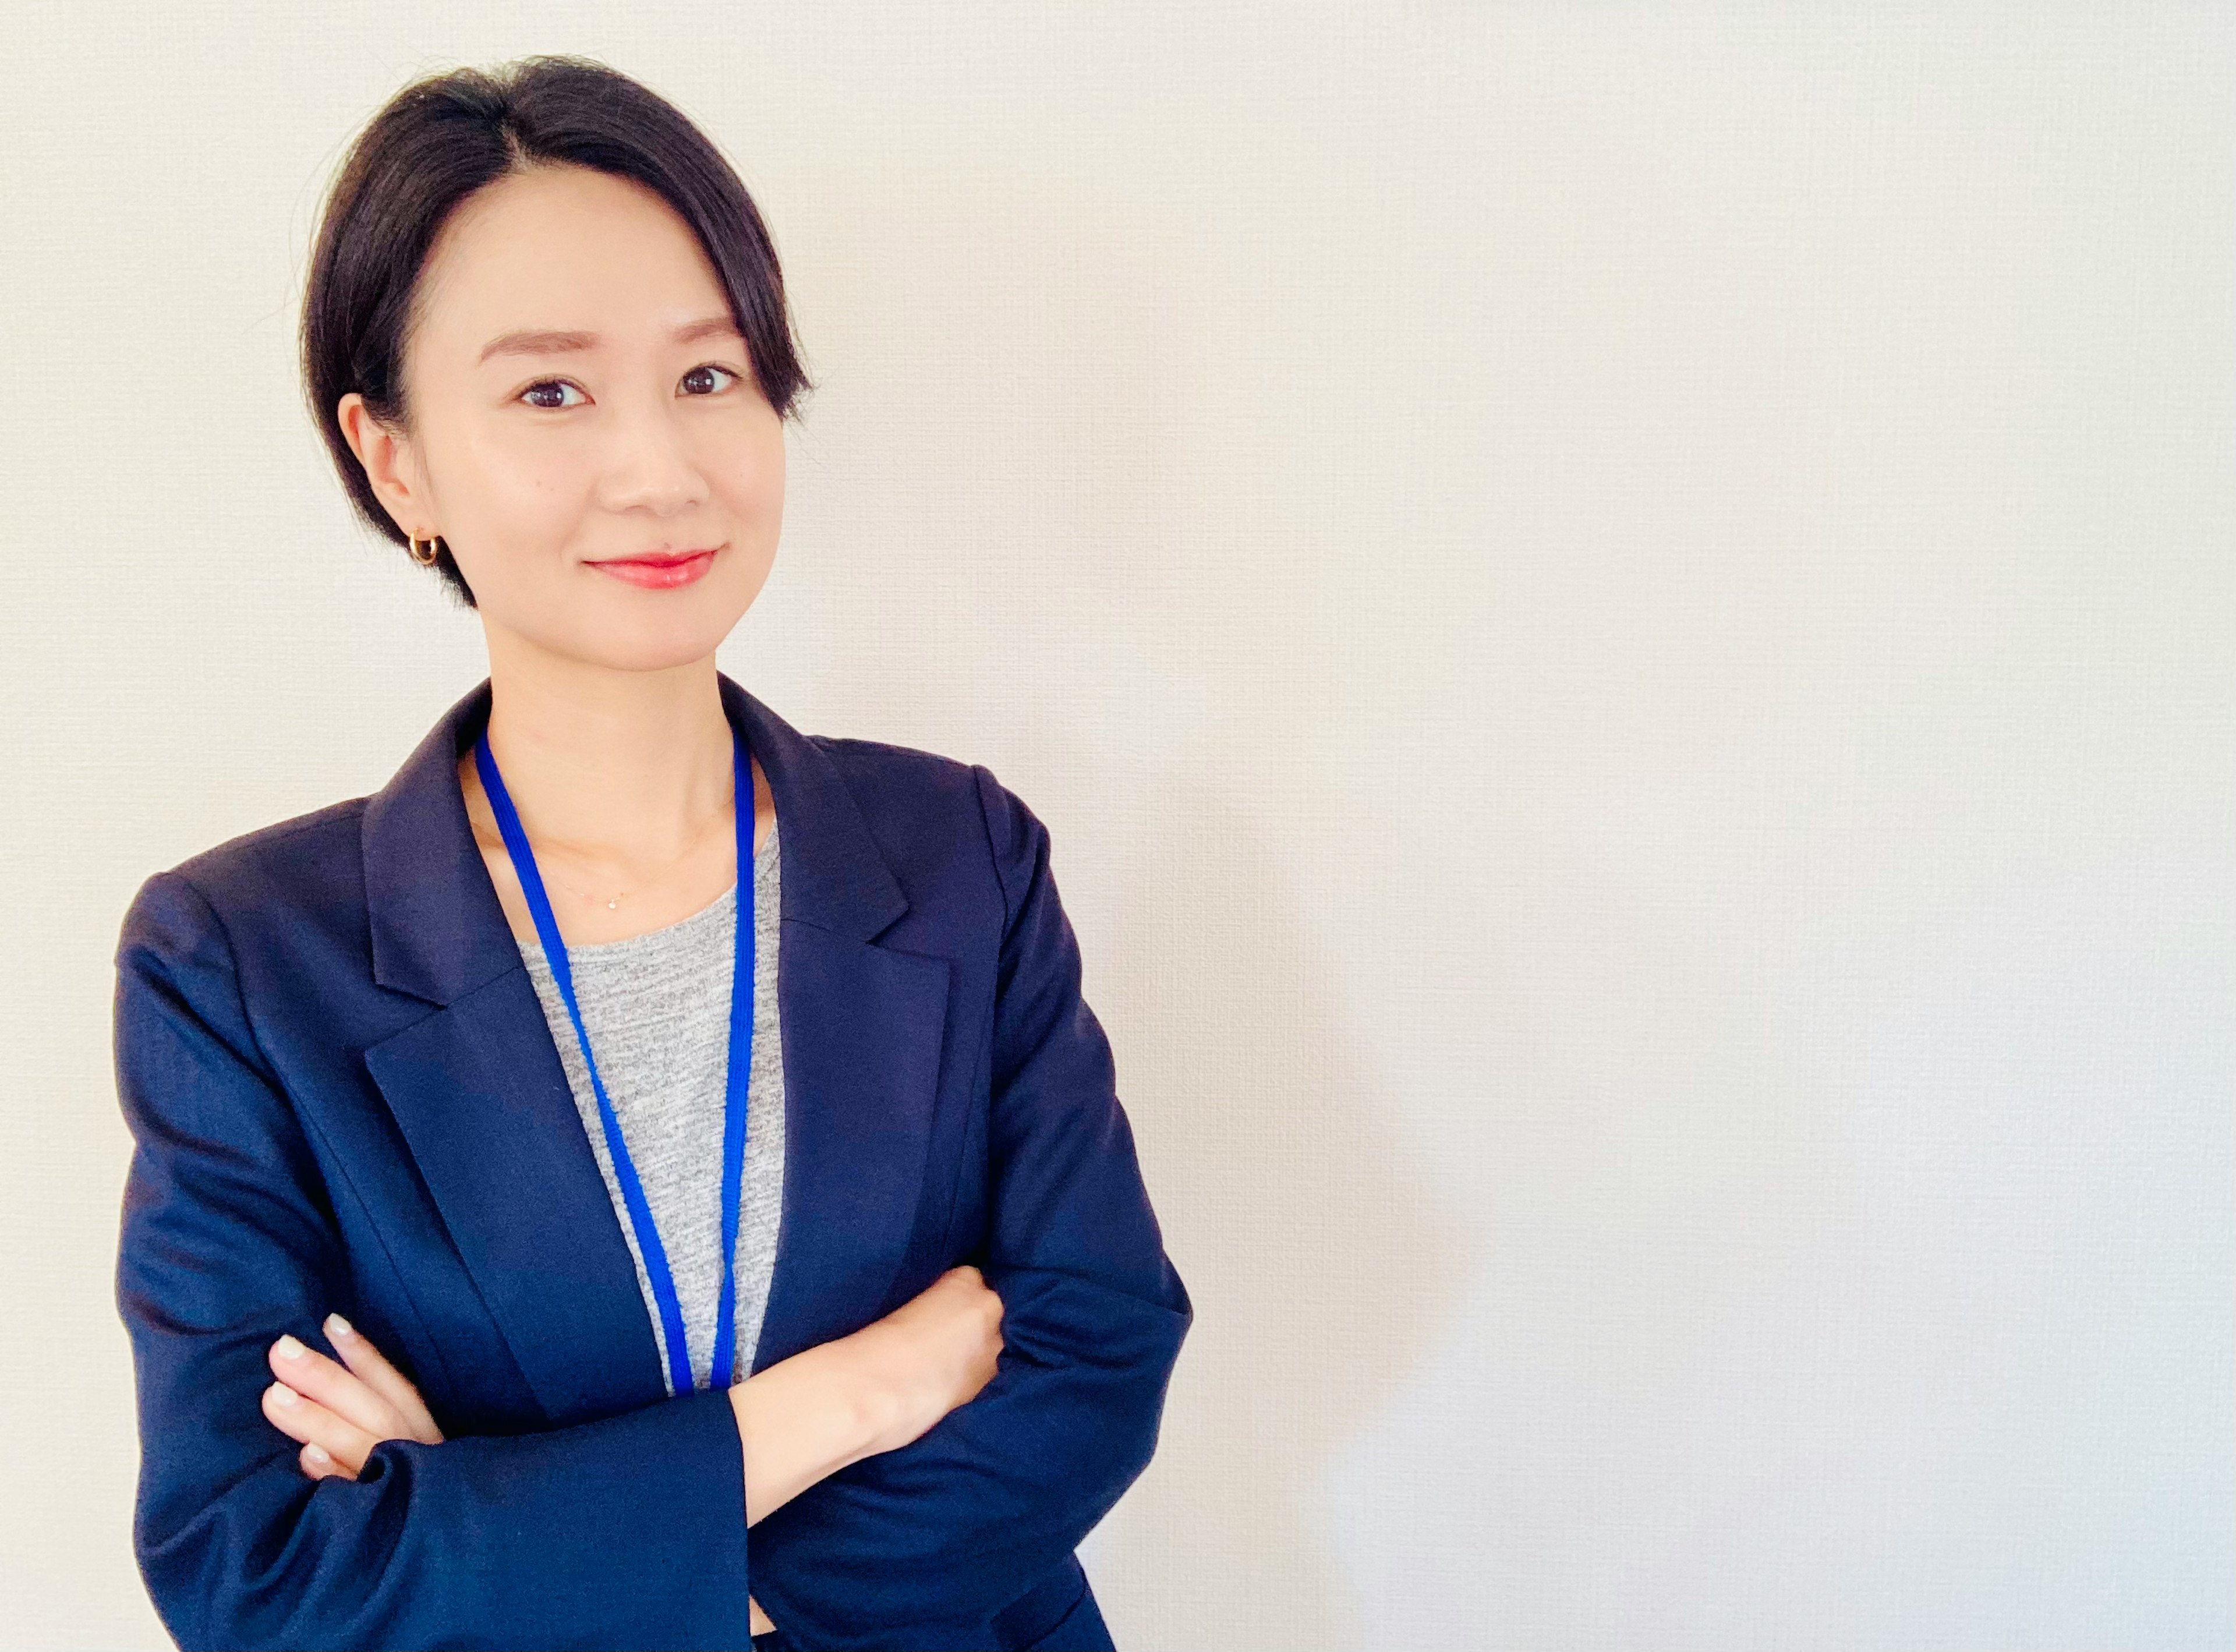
{"points": [[536, 1238]]}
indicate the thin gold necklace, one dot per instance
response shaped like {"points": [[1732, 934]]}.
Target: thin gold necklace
{"points": [[615, 902]]}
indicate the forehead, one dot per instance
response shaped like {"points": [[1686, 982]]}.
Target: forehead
{"points": [[563, 246]]}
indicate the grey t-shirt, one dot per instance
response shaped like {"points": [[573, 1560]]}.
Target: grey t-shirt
{"points": [[657, 1010]]}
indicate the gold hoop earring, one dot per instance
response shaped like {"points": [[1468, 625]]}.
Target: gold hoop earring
{"points": [[428, 561]]}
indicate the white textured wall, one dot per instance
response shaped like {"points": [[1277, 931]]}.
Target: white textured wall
{"points": [[1623, 616]]}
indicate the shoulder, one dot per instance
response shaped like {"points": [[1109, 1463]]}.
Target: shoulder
{"points": [[308, 863], [907, 795], [887, 779], [878, 767]]}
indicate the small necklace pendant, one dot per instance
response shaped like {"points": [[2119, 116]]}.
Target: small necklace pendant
{"points": [[614, 904]]}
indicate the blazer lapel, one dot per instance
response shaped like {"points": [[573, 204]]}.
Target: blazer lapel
{"points": [[865, 1028], [478, 1092]]}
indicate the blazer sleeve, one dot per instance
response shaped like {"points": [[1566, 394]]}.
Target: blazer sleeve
{"points": [[921, 1546], [626, 1531]]}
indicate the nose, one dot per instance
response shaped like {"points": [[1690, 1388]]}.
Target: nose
{"points": [[648, 463]]}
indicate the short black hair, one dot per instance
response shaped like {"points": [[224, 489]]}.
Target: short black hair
{"points": [[446, 135]]}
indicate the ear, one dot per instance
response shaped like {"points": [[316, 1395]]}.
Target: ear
{"points": [[392, 466]]}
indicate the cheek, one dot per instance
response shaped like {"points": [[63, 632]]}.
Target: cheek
{"points": [[518, 506], [748, 485], [756, 498], [526, 482], [748, 479], [748, 465]]}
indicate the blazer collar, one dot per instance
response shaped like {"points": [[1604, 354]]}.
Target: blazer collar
{"points": [[438, 930]]}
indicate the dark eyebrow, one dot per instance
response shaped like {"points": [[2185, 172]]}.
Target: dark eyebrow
{"points": [[529, 342]]}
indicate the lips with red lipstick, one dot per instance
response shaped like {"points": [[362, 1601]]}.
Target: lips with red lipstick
{"points": [[660, 570]]}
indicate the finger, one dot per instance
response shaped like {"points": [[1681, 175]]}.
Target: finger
{"points": [[368, 1362], [335, 1386], [300, 1417], [318, 1462]]}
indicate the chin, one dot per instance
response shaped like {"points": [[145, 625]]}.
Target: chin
{"points": [[642, 643], [663, 654]]}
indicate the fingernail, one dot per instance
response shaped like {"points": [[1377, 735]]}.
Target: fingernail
{"points": [[285, 1395], [289, 1348], [316, 1454], [338, 1327]]}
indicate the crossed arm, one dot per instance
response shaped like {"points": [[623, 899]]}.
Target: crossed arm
{"points": [[798, 1421]]}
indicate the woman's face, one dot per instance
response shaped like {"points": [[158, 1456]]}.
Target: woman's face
{"points": [[580, 396]]}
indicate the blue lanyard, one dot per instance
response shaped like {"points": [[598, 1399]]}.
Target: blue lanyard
{"points": [[741, 1056]]}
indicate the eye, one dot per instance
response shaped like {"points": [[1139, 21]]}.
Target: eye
{"points": [[705, 367], [535, 391]]}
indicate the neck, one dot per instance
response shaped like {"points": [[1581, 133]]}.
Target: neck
{"points": [[627, 766]]}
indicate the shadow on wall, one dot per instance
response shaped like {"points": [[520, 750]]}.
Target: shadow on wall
{"points": [[1320, 1266], [1114, 534]]}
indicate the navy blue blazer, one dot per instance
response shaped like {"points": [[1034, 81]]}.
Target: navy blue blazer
{"points": [[344, 1097]]}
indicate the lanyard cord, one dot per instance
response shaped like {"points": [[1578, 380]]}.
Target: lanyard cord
{"points": [[739, 1062]]}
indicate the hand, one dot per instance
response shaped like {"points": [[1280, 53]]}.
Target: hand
{"points": [[341, 1411], [936, 1350]]}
